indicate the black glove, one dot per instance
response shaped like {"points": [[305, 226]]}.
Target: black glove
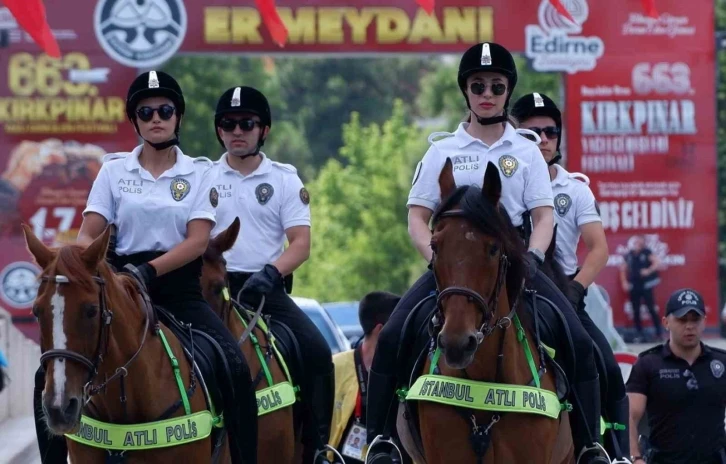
{"points": [[262, 282], [145, 273], [531, 263], [575, 293]]}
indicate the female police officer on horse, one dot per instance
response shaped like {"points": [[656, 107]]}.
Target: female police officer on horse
{"points": [[487, 77], [576, 214], [159, 200]]}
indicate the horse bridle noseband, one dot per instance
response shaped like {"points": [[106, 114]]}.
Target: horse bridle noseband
{"points": [[106, 317], [486, 307]]}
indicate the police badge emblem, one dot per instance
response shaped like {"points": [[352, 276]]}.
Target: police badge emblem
{"points": [[562, 203], [304, 196], [179, 188], [508, 164], [264, 192], [717, 368], [214, 197]]}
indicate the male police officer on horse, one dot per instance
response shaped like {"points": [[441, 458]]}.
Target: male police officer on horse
{"points": [[273, 206]]}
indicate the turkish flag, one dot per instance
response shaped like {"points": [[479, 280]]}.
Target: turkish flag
{"points": [[30, 14], [273, 22]]}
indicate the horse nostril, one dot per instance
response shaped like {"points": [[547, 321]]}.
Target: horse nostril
{"points": [[471, 343], [71, 411]]}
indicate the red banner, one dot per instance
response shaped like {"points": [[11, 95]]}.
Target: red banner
{"points": [[639, 106], [642, 127]]}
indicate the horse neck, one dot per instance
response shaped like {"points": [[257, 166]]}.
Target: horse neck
{"points": [[125, 338], [512, 367]]}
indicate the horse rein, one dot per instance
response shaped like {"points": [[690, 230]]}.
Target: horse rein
{"points": [[487, 308], [106, 317]]}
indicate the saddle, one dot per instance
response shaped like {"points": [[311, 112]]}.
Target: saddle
{"points": [[541, 317]]}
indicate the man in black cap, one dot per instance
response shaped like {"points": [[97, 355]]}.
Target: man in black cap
{"points": [[681, 385]]}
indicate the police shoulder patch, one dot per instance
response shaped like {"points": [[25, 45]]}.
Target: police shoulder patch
{"points": [[264, 192], [563, 202], [304, 196], [214, 197], [180, 188], [508, 164]]}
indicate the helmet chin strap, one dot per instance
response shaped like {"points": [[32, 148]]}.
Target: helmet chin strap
{"points": [[554, 160], [493, 120], [164, 145], [256, 151]]}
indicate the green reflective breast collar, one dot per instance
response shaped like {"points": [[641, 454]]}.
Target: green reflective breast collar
{"points": [[275, 397], [485, 396], [149, 435]]}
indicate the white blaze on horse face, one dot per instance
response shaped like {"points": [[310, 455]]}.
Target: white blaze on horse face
{"points": [[58, 305], [471, 236]]}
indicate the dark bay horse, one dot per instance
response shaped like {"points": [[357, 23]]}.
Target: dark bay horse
{"points": [[276, 431], [103, 358], [479, 268]]}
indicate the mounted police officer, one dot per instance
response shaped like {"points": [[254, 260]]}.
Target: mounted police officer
{"points": [[487, 77], [577, 215], [163, 216], [273, 206]]}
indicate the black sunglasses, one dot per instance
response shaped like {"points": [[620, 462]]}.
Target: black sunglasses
{"points": [[478, 88], [146, 113], [550, 131], [228, 125]]}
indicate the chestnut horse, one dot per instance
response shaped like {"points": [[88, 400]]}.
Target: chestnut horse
{"points": [[275, 431], [479, 268], [103, 356]]}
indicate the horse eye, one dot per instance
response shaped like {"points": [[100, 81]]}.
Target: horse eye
{"points": [[433, 246], [493, 250], [90, 310]]}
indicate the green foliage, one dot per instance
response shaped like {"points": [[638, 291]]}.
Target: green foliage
{"points": [[360, 240]]}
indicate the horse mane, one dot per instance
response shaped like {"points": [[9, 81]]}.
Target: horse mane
{"points": [[493, 220], [69, 263]]}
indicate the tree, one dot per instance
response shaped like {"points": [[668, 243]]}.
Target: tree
{"points": [[204, 79], [360, 241]]}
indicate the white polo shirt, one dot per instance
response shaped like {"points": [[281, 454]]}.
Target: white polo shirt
{"points": [[268, 202], [151, 214], [574, 206], [525, 179]]}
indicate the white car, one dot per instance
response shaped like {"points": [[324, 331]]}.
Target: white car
{"points": [[322, 320]]}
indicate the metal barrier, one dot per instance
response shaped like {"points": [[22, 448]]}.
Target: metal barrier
{"points": [[23, 356]]}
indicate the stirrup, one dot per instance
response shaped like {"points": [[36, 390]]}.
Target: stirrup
{"points": [[324, 450], [379, 440], [594, 447]]}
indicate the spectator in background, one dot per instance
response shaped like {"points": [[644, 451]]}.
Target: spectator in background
{"points": [[682, 386], [348, 428], [638, 277]]}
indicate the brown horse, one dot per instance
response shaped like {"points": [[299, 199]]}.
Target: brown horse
{"points": [[103, 357], [276, 432], [479, 268]]}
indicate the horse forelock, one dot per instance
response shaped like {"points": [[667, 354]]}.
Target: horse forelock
{"points": [[492, 220]]}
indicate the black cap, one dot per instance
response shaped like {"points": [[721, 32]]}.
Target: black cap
{"points": [[154, 84], [684, 300], [243, 99]]}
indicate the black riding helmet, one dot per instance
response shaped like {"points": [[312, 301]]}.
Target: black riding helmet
{"points": [[539, 104], [243, 100], [488, 57], [156, 84]]}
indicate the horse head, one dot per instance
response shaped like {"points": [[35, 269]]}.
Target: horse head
{"points": [[74, 320], [477, 262], [214, 270]]}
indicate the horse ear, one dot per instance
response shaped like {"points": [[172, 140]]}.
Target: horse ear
{"points": [[96, 251], [226, 239], [492, 186], [446, 179], [550, 254], [42, 254]]}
